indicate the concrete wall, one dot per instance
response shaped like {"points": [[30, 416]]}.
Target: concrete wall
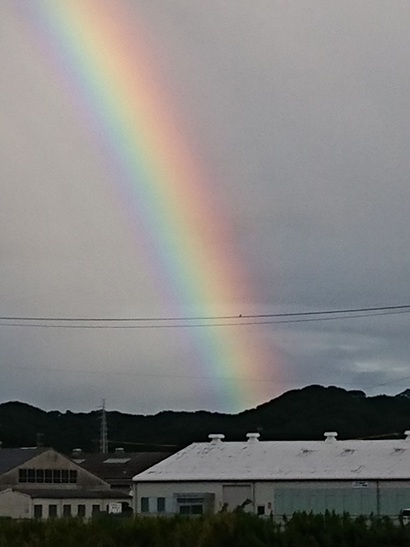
{"points": [[103, 505], [18, 505], [286, 497], [15, 505], [171, 491]]}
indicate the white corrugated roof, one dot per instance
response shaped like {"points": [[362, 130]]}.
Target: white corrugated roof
{"points": [[285, 460]]}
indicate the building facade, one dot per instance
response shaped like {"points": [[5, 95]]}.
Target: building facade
{"points": [[42, 483], [276, 478]]}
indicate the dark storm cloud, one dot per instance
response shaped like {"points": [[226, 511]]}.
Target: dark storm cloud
{"points": [[301, 113]]}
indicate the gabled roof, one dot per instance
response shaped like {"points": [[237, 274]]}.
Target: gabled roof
{"points": [[13, 457], [285, 460], [117, 467]]}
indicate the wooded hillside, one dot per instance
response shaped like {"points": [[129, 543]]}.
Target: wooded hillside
{"points": [[298, 414]]}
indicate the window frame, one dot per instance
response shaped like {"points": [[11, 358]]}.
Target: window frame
{"points": [[144, 504], [81, 510], [67, 510], [38, 511], [52, 511], [161, 504]]}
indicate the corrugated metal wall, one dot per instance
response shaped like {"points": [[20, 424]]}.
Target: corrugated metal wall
{"points": [[356, 501]]}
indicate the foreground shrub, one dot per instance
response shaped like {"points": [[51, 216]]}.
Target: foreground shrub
{"points": [[222, 530]]}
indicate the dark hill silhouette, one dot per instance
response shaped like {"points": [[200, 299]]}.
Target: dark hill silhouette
{"points": [[298, 414]]}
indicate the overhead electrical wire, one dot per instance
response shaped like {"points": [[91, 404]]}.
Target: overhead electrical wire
{"points": [[175, 322], [403, 307], [203, 322], [199, 325]]}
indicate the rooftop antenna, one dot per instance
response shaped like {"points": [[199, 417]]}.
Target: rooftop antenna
{"points": [[104, 430]]}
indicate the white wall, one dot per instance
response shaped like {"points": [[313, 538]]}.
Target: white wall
{"points": [[15, 505], [170, 490], [152, 491], [285, 497], [74, 503]]}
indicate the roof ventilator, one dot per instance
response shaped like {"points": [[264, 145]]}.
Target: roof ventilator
{"points": [[407, 433], [330, 436], [216, 438], [253, 437]]}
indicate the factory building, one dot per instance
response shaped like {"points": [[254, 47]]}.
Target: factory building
{"points": [[42, 483], [276, 478]]}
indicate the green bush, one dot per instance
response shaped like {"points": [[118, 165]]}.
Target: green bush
{"points": [[222, 530]]}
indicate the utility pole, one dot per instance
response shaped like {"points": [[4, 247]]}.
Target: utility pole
{"points": [[104, 430]]}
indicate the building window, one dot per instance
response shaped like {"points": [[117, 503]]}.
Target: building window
{"points": [[55, 476], [81, 510], [22, 475], [160, 505], [261, 510], [66, 510], [144, 505], [65, 475], [52, 511], [194, 504], [38, 511], [39, 475], [194, 509], [95, 509]]}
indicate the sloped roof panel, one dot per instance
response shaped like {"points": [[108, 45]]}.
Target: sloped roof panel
{"points": [[13, 457], [285, 460]]}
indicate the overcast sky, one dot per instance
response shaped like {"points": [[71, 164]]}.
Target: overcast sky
{"points": [[300, 111]]}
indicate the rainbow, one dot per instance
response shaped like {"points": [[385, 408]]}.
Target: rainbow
{"points": [[114, 72]]}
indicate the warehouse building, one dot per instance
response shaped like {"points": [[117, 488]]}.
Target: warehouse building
{"points": [[276, 478], [42, 483]]}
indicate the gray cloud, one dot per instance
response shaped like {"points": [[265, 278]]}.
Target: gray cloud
{"points": [[300, 113]]}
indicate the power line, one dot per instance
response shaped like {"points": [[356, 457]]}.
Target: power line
{"points": [[206, 318], [239, 323]]}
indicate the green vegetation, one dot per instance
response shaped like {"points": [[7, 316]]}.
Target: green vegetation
{"points": [[223, 530], [300, 414]]}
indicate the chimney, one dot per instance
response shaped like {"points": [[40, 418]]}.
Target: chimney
{"points": [[253, 437], [216, 438], [330, 436]]}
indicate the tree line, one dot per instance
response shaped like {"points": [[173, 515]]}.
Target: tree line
{"points": [[303, 414]]}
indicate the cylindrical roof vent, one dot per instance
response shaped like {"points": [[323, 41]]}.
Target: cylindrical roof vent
{"points": [[253, 437], [407, 433], [216, 438], [330, 436]]}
